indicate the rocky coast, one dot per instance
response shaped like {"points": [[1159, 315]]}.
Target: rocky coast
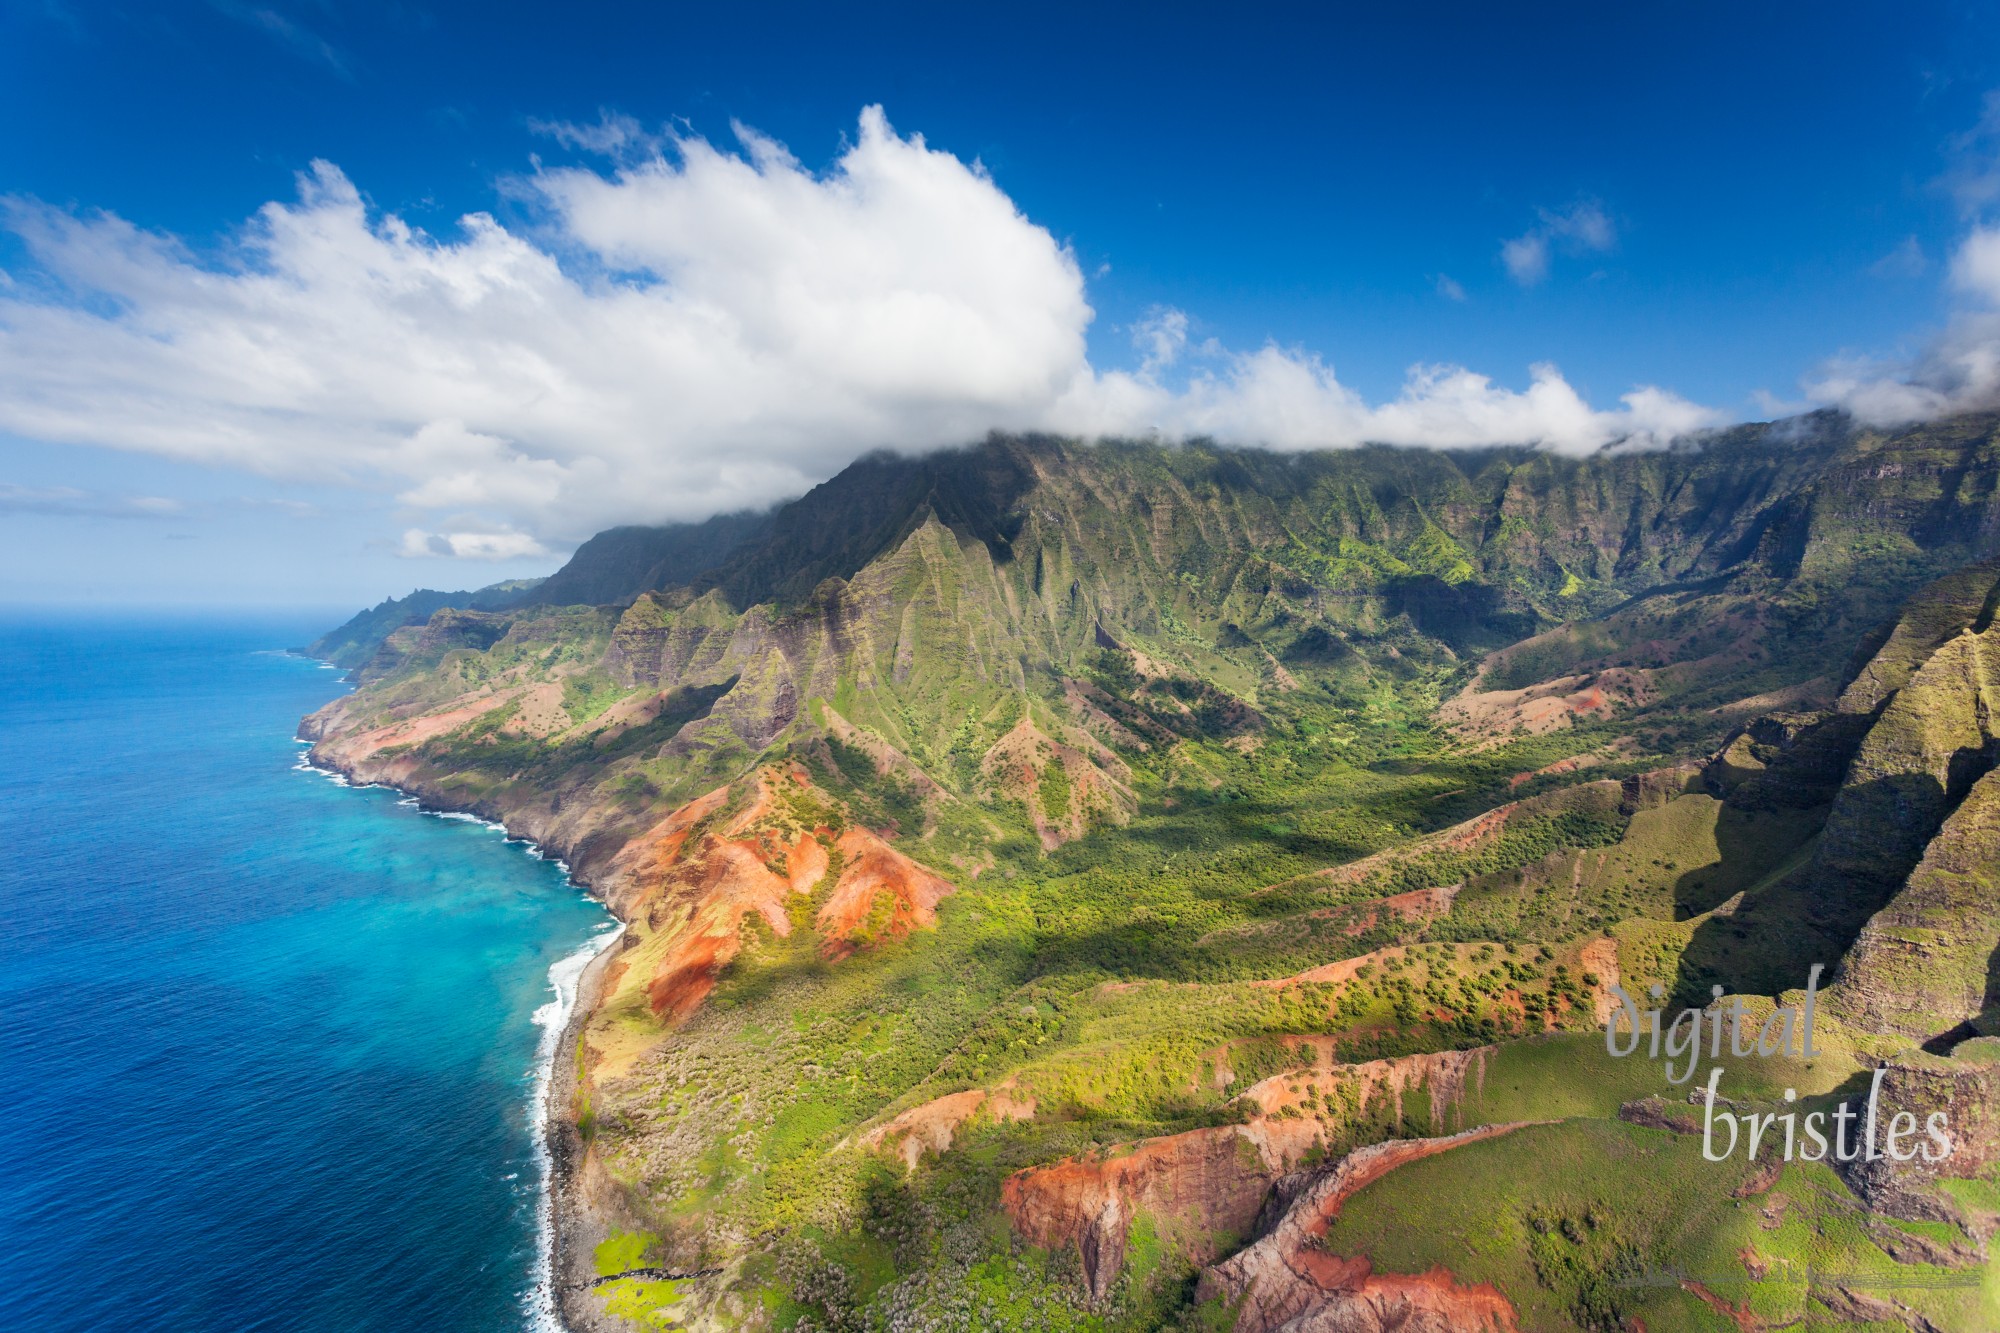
{"points": [[575, 1223]]}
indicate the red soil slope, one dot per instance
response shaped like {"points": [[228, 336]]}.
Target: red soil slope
{"points": [[1207, 1186], [697, 882], [1286, 1276]]}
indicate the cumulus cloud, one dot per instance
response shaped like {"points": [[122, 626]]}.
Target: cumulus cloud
{"points": [[1450, 288], [688, 331], [1957, 371], [1526, 258], [1287, 398], [1583, 228], [1975, 269], [1160, 337]]}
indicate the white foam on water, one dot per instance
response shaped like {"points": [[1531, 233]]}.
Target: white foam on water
{"points": [[465, 817], [306, 765], [539, 1303], [540, 855], [339, 779]]}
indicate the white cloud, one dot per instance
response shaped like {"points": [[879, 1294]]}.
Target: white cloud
{"points": [[1973, 175], [694, 331], [1160, 337], [1285, 398], [1958, 368], [1450, 288], [613, 135], [1583, 228], [419, 544], [1526, 258], [67, 500], [1975, 269], [294, 37], [1958, 371]]}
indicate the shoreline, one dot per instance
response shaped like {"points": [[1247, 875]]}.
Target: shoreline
{"points": [[574, 1228], [567, 1227]]}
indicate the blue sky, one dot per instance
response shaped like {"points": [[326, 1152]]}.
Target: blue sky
{"points": [[1729, 208]]}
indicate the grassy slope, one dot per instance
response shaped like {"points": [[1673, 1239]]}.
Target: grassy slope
{"points": [[1588, 1244]]}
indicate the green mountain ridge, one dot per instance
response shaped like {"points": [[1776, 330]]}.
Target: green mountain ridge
{"points": [[352, 644], [613, 567], [1038, 857]]}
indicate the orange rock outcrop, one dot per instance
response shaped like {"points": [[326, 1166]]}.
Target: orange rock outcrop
{"points": [[1205, 1188], [697, 884], [1286, 1276]]}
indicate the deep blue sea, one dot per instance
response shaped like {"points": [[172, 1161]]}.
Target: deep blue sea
{"points": [[268, 1044]]}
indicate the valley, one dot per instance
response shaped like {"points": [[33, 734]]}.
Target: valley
{"points": [[1128, 886]]}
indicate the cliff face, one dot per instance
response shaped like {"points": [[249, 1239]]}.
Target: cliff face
{"points": [[617, 565], [1942, 610], [1205, 1189], [687, 884], [1965, 1089], [937, 603], [1930, 743], [1903, 891], [1072, 846], [1899, 891], [1206, 1186], [1284, 1280], [1525, 526], [1923, 965]]}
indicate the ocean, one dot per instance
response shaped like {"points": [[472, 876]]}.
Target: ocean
{"points": [[268, 1044]]}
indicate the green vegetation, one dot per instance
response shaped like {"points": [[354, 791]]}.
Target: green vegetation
{"points": [[648, 1303], [1173, 724], [1606, 1238]]}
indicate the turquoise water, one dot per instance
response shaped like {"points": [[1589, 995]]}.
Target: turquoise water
{"points": [[268, 1044]]}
